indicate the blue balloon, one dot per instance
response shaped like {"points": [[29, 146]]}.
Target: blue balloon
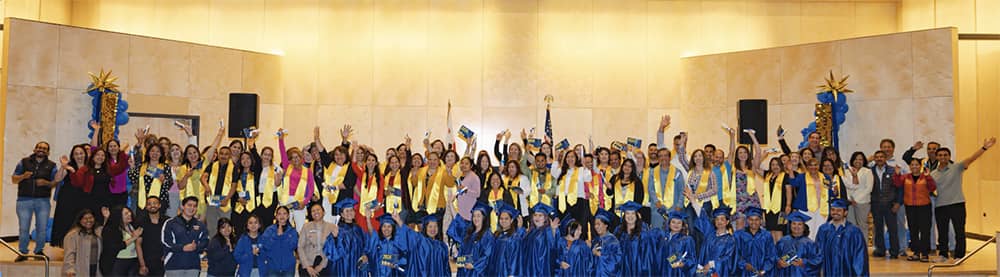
{"points": [[121, 119], [122, 105]]}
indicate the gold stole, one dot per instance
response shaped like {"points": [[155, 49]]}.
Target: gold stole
{"points": [[393, 203], [702, 188], [666, 190], [728, 186], [772, 201], [495, 195], [300, 189], [534, 197], [268, 196], [369, 192], [453, 188], [334, 177], [250, 188], [155, 187], [597, 187], [417, 189], [569, 194], [227, 181], [816, 205], [513, 182], [435, 196]]}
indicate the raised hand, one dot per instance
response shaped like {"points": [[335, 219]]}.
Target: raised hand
{"points": [[506, 134], [988, 143], [64, 161], [781, 132], [95, 125], [524, 135], [316, 132], [406, 139], [346, 131], [918, 145], [750, 131], [500, 135], [664, 121]]}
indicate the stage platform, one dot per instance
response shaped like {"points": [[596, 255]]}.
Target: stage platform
{"points": [[983, 264]]}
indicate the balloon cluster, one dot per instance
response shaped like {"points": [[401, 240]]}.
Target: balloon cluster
{"points": [[839, 107], [121, 114]]}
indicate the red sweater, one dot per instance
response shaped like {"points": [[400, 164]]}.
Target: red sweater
{"points": [[84, 177]]}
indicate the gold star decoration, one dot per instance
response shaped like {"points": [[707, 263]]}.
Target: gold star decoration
{"points": [[834, 86], [103, 81]]}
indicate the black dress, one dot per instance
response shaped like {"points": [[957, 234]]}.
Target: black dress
{"points": [[69, 202]]}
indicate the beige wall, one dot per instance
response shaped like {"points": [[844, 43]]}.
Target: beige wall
{"points": [[977, 97], [902, 72], [391, 65], [45, 69]]}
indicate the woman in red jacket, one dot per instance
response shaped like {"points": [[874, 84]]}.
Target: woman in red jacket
{"points": [[917, 189], [96, 177]]}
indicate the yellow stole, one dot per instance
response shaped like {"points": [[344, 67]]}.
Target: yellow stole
{"points": [[496, 194], [227, 182], [417, 189], [453, 188], [534, 197], [300, 189], [569, 194], [817, 204], [369, 192], [513, 182], [702, 188], [772, 201], [335, 177], [155, 187], [393, 203], [728, 186], [249, 188], [666, 191], [597, 186], [435, 197], [267, 197]]}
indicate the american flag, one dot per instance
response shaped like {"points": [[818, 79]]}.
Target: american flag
{"points": [[548, 117]]}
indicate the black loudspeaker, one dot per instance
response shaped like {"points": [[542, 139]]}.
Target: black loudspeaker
{"points": [[753, 115], [242, 112]]}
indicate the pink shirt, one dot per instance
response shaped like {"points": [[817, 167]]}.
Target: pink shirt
{"points": [[296, 174]]}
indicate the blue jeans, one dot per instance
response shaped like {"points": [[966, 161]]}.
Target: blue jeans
{"points": [[26, 208]]}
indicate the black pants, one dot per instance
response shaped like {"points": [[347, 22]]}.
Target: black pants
{"points": [[126, 267], [918, 219], [954, 214], [581, 213], [883, 216]]}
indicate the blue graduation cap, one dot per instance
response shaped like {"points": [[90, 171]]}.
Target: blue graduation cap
{"points": [[346, 203], [428, 219], [482, 207], [677, 214], [503, 207], [630, 206], [754, 211], [797, 216], [564, 224], [603, 215], [542, 208], [722, 210], [386, 219], [839, 203]]}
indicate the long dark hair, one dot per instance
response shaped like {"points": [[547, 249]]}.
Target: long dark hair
{"points": [[471, 230], [635, 232], [566, 165], [705, 164], [509, 231], [163, 155], [104, 165], [439, 236], [188, 162], [749, 162], [864, 160], [838, 162], [218, 233], [388, 168], [79, 227], [288, 221], [781, 166], [86, 155]]}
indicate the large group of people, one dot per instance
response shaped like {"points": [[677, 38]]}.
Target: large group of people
{"points": [[159, 208]]}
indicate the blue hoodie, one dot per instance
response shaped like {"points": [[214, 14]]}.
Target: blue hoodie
{"points": [[243, 254], [177, 233]]}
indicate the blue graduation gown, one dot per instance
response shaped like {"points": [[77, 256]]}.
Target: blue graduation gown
{"points": [[722, 250], [278, 251], [611, 255], [577, 255], [637, 251], [673, 248], [755, 249], [385, 251], [506, 254], [539, 252], [477, 252], [427, 257], [806, 250], [844, 250], [344, 250]]}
